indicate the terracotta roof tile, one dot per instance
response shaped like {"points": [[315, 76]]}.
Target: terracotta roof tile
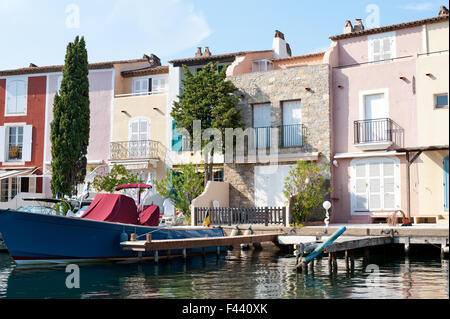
{"points": [[145, 71], [58, 68], [218, 57], [311, 55], [390, 27]]}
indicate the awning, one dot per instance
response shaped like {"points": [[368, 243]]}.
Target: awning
{"points": [[7, 173]]}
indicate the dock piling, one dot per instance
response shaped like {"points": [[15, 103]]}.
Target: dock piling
{"points": [[156, 256]]}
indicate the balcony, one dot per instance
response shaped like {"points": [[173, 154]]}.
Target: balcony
{"points": [[291, 136], [376, 134], [130, 150]]}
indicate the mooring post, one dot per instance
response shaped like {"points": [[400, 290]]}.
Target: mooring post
{"points": [[184, 254], [330, 259], [407, 247], [347, 260], [203, 252], [133, 237], [333, 256], [218, 251], [311, 266], [304, 267], [366, 253]]}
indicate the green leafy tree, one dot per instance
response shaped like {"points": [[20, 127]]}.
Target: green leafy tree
{"points": [[207, 97], [119, 175], [71, 122], [306, 189], [181, 187]]}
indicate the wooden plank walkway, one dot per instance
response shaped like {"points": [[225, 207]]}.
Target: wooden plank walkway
{"points": [[187, 243], [349, 243]]}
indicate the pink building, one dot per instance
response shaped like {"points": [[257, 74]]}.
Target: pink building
{"points": [[374, 116]]}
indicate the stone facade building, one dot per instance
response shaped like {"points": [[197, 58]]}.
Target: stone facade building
{"points": [[298, 100]]}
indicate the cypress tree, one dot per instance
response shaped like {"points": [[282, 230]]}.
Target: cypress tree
{"points": [[71, 122]]}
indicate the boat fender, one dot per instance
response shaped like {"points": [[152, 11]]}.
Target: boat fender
{"points": [[123, 237], [234, 232], [249, 231]]}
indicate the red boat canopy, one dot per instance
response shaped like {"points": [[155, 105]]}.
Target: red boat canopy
{"points": [[113, 208], [150, 216], [128, 186]]}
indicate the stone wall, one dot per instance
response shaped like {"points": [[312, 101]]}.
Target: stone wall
{"points": [[310, 84]]}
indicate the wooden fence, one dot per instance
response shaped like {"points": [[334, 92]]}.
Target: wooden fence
{"points": [[234, 216]]}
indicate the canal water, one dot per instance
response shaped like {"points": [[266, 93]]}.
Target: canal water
{"points": [[265, 274]]}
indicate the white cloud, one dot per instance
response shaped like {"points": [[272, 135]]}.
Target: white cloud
{"points": [[423, 6], [167, 26]]}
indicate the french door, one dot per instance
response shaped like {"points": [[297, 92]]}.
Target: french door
{"points": [[375, 185]]}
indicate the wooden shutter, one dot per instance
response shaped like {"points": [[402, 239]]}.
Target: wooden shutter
{"points": [[11, 101], [27, 143], [2, 143]]}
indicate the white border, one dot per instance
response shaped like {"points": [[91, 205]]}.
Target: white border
{"points": [[363, 94]]}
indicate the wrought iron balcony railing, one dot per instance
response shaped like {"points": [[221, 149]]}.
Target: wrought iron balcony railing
{"points": [[290, 136], [135, 150], [373, 131]]}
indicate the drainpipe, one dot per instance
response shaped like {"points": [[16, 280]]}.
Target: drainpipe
{"points": [[408, 193]]}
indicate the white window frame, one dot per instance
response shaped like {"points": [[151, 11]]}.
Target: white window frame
{"points": [[380, 37], [362, 101], [27, 144], [155, 78], [397, 185], [9, 80], [256, 65]]}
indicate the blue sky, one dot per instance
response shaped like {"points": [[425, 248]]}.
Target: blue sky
{"points": [[37, 31]]}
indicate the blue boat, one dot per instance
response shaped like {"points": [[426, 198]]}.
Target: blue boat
{"points": [[42, 239]]}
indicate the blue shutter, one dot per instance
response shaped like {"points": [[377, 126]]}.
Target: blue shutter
{"points": [[176, 138], [446, 186]]}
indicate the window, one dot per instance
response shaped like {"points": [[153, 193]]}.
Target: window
{"points": [[158, 85], [8, 189], [177, 138], [218, 175], [262, 66], [292, 120], [382, 47], [441, 100], [15, 143], [16, 97], [375, 185], [139, 138], [261, 124], [141, 86]]}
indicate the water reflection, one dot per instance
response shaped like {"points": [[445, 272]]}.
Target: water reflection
{"points": [[240, 274]]}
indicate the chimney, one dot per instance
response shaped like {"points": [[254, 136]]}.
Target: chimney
{"points": [[443, 11], [279, 34], [358, 26], [199, 52], [280, 47], [153, 60], [348, 28], [207, 52], [32, 65]]}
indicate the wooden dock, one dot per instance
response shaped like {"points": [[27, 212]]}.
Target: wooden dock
{"points": [[188, 243]]}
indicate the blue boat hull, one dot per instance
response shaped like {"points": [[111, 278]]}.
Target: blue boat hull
{"points": [[42, 239]]}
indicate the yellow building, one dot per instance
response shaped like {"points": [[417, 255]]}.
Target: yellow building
{"points": [[432, 83], [139, 119]]}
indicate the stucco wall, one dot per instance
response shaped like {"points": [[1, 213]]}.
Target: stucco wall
{"points": [[100, 96]]}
